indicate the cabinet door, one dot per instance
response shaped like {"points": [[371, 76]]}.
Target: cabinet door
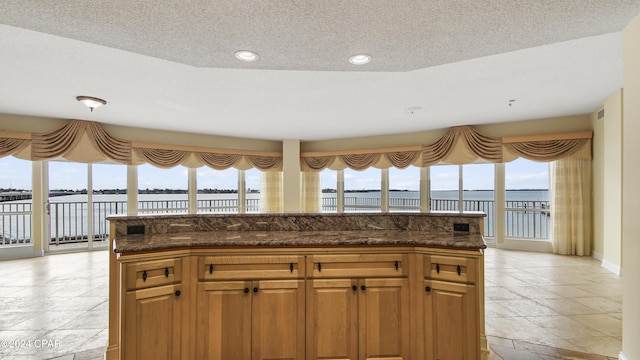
{"points": [[277, 318], [223, 328], [383, 306], [152, 324], [451, 326], [332, 319]]}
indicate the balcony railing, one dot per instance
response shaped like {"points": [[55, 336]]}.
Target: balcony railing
{"points": [[523, 219]]}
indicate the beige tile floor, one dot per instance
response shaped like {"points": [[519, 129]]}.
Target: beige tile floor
{"points": [[538, 303], [539, 306]]}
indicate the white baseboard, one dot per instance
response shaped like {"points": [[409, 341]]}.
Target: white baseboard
{"points": [[614, 268], [19, 252], [622, 357], [598, 256]]}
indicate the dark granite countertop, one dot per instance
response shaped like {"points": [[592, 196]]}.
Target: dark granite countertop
{"points": [[211, 239]]}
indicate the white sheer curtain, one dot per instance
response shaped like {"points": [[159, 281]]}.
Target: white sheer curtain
{"points": [[311, 192], [271, 191], [571, 206]]}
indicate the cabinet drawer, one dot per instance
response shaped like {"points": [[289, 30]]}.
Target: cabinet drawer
{"points": [[153, 273], [250, 267], [450, 268], [364, 265]]}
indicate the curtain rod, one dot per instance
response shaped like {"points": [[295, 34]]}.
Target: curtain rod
{"points": [[202, 149], [548, 137], [361, 151], [15, 135]]}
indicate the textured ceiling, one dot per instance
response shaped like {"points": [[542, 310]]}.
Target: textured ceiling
{"points": [[169, 64]]}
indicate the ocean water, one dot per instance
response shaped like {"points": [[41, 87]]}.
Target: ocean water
{"points": [[71, 214], [511, 195]]}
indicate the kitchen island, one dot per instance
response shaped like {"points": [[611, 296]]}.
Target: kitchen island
{"points": [[297, 286]]}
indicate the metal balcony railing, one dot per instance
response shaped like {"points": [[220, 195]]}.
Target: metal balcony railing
{"points": [[523, 219]]}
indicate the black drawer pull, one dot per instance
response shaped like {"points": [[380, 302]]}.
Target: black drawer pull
{"points": [[210, 268], [396, 265], [166, 272], [438, 268], [363, 287], [178, 293], [319, 267], [144, 275], [246, 290], [255, 289], [354, 288], [291, 267], [427, 289], [458, 269]]}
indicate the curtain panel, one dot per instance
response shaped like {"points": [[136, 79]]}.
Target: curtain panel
{"points": [[571, 204], [271, 199], [311, 192]]}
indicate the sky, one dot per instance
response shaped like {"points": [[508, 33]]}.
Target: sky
{"points": [[520, 174]]}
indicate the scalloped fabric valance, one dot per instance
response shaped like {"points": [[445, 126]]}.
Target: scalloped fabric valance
{"points": [[462, 145], [88, 142]]}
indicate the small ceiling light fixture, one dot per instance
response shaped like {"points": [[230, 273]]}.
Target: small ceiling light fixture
{"points": [[246, 56], [360, 59], [91, 102], [412, 110]]}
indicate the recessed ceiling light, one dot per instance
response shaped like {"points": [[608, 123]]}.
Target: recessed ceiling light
{"points": [[246, 56], [360, 59]]}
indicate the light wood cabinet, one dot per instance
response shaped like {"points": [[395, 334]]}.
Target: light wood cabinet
{"points": [[313, 304], [357, 317], [153, 307], [451, 326], [250, 319]]}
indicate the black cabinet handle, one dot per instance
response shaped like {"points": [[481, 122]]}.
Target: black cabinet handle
{"points": [[438, 268], [354, 288], [396, 265], [210, 268], [427, 289], [319, 267], [291, 267], [166, 272], [178, 293], [246, 290], [458, 269], [144, 275], [255, 289], [363, 287]]}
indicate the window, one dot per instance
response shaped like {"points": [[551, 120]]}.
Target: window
{"points": [[68, 205], [527, 208], [445, 183], [162, 190], [109, 184], [329, 186], [252, 186], [404, 189], [478, 192], [217, 190], [362, 190], [15, 204]]}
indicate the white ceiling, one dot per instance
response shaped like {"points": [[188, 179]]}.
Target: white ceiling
{"points": [[169, 64]]}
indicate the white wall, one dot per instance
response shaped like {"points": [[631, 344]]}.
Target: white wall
{"points": [[631, 192], [612, 192]]}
